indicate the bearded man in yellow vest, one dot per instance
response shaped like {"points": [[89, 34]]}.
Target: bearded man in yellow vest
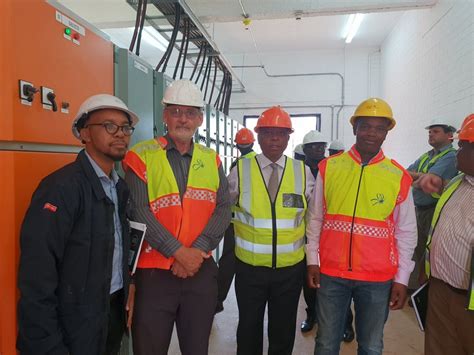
{"points": [[362, 222], [440, 161], [180, 192], [271, 193]]}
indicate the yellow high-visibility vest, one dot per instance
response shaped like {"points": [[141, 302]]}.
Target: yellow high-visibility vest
{"points": [[270, 234], [357, 239], [448, 192]]}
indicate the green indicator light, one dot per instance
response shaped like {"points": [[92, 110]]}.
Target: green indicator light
{"points": [[67, 31]]}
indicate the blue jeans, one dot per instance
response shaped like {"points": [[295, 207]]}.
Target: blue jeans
{"points": [[371, 311]]}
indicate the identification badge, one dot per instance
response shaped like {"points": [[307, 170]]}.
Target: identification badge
{"points": [[293, 201]]}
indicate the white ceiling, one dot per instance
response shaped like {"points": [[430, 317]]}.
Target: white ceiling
{"points": [[273, 26], [232, 10], [273, 21]]}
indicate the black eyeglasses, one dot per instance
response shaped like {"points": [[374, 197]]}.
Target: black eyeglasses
{"points": [[112, 128]]}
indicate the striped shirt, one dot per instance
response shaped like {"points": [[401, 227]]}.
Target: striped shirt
{"points": [[453, 238]]}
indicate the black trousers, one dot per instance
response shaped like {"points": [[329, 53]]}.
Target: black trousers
{"points": [[280, 289], [309, 296], [162, 299], [226, 265], [117, 323]]}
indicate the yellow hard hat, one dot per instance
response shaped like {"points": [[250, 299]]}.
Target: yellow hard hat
{"points": [[374, 107]]}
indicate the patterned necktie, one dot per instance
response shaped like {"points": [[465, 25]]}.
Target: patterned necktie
{"points": [[273, 182]]}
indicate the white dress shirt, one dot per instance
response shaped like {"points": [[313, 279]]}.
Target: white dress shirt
{"points": [[266, 169]]}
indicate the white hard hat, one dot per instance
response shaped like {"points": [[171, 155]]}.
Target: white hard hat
{"points": [[299, 149], [183, 92], [99, 102], [336, 145], [441, 122], [314, 137]]}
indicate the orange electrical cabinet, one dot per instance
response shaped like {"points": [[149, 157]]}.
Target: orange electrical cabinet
{"points": [[50, 49]]}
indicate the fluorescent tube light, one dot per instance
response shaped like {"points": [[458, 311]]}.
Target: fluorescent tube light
{"points": [[154, 38], [352, 26]]}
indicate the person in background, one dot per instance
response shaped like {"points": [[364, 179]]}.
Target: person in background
{"points": [[450, 249], [314, 148], [336, 147], [244, 140], [298, 153], [73, 275], [270, 194], [441, 161], [180, 192], [362, 222]]}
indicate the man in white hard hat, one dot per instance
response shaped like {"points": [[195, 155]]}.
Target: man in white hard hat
{"points": [[73, 274], [336, 147], [180, 192], [314, 148], [298, 153], [440, 161]]}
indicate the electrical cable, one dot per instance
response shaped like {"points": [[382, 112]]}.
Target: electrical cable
{"points": [[229, 93], [142, 23], [206, 72], [216, 104], [201, 49], [224, 92], [137, 25], [188, 30], [181, 48], [166, 56], [202, 65], [213, 81]]}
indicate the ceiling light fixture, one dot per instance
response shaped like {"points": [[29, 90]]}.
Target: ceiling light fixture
{"points": [[154, 38], [352, 26]]}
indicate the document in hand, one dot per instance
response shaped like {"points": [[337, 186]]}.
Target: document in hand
{"points": [[137, 235], [420, 304]]}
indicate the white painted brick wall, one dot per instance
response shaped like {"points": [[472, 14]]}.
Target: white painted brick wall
{"points": [[359, 66], [427, 72]]}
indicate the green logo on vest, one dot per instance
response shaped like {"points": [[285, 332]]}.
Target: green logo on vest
{"points": [[198, 164], [378, 200]]}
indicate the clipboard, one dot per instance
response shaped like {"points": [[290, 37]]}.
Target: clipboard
{"points": [[137, 235], [420, 304]]}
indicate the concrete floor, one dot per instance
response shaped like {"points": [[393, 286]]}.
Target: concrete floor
{"points": [[402, 334]]}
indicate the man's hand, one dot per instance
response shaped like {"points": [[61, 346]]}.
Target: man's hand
{"points": [[190, 258], [430, 183], [179, 271], [398, 296], [130, 304], [414, 175], [313, 274]]}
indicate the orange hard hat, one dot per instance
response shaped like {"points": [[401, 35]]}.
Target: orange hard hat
{"points": [[466, 133], [274, 117], [244, 136]]}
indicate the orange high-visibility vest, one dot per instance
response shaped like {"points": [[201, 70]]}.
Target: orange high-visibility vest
{"points": [[185, 219], [357, 238]]}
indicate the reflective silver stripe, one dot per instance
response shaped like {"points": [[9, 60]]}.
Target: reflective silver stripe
{"points": [[245, 173], [267, 248], [267, 223], [298, 177]]}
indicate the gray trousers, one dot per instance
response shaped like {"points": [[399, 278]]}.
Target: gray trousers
{"points": [[423, 222], [162, 299]]}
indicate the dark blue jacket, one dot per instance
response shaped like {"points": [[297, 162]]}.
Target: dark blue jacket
{"points": [[67, 244]]}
